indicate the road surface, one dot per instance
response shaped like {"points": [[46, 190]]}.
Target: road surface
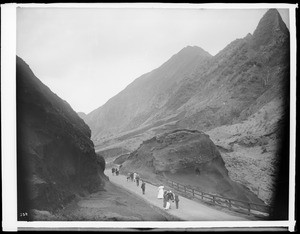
{"points": [[188, 209]]}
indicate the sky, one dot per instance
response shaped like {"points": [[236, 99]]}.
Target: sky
{"points": [[88, 55]]}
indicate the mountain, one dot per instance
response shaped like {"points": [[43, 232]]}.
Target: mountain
{"points": [[145, 96], [238, 97], [201, 91], [56, 160]]}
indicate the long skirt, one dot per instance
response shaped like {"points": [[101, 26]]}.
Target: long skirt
{"points": [[160, 193], [164, 203]]}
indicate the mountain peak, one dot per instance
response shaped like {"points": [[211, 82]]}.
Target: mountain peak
{"points": [[270, 27], [193, 50]]}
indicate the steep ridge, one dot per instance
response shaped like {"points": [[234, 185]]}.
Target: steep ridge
{"points": [[270, 27], [236, 95], [240, 79], [145, 96], [56, 160]]}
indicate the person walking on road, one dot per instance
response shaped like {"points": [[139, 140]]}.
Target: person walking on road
{"points": [[160, 194], [165, 199], [197, 171], [169, 198], [176, 200], [137, 179], [128, 176], [131, 176], [143, 186], [113, 171], [134, 177]]}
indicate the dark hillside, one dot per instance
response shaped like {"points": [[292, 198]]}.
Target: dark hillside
{"points": [[56, 159]]}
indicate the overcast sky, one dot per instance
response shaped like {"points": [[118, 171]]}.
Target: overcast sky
{"points": [[86, 56]]}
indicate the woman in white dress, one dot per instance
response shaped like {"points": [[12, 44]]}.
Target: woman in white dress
{"points": [[160, 194]]}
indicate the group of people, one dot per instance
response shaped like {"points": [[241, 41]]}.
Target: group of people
{"points": [[135, 177], [167, 196], [115, 171]]}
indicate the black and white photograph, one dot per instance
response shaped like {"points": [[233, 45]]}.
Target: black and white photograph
{"points": [[160, 116]]}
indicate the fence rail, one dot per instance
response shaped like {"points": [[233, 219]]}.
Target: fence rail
{"points": [[228, 203]]}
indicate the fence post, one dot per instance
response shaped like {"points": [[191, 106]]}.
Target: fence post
{"points": [[213, 199]]}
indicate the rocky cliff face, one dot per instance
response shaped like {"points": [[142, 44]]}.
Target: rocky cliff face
{"points": [[187, 156], [55, 155], [178, 150]]}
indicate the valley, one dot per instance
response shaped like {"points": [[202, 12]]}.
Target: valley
{"points": [[213, 123]]}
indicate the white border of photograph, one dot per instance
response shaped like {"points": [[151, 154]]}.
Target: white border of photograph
{"points": [[8, 131]]}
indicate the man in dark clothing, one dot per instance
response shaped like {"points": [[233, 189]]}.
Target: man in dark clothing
{"points": [[143, 186], [113, 170], [131, 176], [137, 179], [177, 201], [128, 176]]}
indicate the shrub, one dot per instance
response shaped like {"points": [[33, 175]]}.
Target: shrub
{"points": [[235, 113]]}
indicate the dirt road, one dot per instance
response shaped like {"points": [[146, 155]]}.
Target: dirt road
{"points": [[111, 204], [188, 209]]}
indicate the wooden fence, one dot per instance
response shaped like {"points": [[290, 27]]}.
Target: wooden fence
{"points": [[228, 203]]}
